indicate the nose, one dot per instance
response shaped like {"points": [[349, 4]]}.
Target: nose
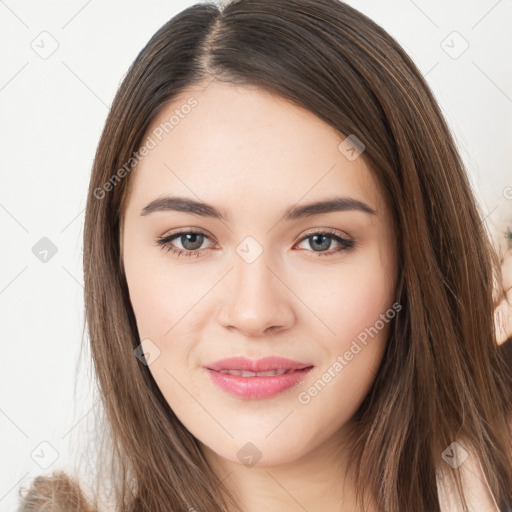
{"points": [[258, 301]]}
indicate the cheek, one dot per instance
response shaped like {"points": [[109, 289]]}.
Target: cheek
{"points": [[358, 309], [359, 316], [171, 306], [348, 297], [149, 297], [354, 306], [162, 296]]}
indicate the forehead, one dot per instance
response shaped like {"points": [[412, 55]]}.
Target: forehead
{"points": [[230, 141]]}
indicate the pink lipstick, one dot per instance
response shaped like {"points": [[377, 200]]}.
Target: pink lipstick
{"points": [[259, 379]]}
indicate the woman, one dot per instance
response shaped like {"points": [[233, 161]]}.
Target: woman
{"points": [[289, 287]]}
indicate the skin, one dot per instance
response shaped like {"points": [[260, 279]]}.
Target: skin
{"points": [[254, 155]]}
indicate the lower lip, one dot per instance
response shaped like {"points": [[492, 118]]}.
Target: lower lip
{"points": [[255, 388]]}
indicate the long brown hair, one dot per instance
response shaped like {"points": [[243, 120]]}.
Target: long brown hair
{"points": [[441, 378]]}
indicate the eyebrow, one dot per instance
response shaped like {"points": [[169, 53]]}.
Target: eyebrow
{"points": [[183, 204]]}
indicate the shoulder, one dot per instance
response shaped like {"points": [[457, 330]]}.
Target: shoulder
{"points": [[476, 489]]}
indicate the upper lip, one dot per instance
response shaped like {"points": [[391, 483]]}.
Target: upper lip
{"points": [[261, 365]]}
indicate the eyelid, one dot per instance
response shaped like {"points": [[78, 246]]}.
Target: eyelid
{"points": [[327, 231], [189, 229]]}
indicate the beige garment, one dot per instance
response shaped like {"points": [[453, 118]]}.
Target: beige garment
{"points": [[459, 457]]}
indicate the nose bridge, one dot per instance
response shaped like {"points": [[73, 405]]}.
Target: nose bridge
{"points": [[255, 299]]}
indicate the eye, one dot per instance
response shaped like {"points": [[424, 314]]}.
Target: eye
{"points": [[192, 240], [321, 241]]}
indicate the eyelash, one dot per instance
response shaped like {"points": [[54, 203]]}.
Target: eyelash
{"points": [[164, 242]]}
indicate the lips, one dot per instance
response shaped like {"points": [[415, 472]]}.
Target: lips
{"points": [[247, 373], [264, 378], [266, 364]]}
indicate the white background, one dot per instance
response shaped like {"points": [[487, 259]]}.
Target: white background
{"points": [[52, 113]]}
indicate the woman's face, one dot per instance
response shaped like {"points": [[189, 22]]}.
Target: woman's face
{"points": [[257, 276]]}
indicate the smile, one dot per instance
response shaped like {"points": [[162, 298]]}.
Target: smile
{"points": [[257, 385]]}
